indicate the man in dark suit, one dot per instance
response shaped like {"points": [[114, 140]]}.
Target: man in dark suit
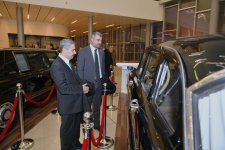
{"points": [[70, 91], [91, 67], [108, 61]]}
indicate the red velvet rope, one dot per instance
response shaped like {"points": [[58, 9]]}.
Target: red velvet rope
{"points": [[111, 78], [85, 144], [10, 118], [94, 141], [42, 102]]}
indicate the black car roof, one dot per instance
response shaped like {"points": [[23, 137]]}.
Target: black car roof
{"points": [[26, 49], [201, 55]]}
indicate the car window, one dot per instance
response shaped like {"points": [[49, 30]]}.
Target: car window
{"points": [[142, 64], [37, 61], [10, 66], [51, 56], [150, 71], [168, 94], [22, 62]]}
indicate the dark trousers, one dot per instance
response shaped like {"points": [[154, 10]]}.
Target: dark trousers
{"points": [[70, 130], [97, 101]]}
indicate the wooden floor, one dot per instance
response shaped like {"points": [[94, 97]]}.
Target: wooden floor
{"points": [[122, 128], [32, 116]]}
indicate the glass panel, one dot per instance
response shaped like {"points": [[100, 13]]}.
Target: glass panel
{"points": [[10, 66], [187, 3], [37, 61], [221, 23], [169, 95], [135, 33], [204, 4], [202, 23], [143, 33], [13, 40], [127, 34], [150, 72], [212, 120], [51, 56], [186, 25], [170, 35], [171, 18], [157, 30], [22, 62], [142, 63], [32, 41]]}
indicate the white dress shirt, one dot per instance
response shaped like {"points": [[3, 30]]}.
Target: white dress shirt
{"points": [[67, 61], [99, 62]]}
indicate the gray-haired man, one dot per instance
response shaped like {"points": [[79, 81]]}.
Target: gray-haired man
{"points": [[70, 91]]}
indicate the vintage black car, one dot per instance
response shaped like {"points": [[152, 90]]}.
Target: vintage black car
{"points": [[161, 116], [27, 66]]}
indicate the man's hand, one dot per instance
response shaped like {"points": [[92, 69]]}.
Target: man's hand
{"points": [[85, 88]]}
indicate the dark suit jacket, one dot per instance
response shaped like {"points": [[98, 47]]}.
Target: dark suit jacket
{"points": [[108, 62], [86, 64], [69, 87]]}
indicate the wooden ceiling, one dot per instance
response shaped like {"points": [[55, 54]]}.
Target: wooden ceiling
{"points": [[66, 17]]}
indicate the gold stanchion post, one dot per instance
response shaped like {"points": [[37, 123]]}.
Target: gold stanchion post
{"points": [[87, 126], [111, 107], [106, 141], [22, 144]]}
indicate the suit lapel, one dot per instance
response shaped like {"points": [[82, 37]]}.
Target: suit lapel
{"points": [[69, 70], [64, 64], [90, 56]]}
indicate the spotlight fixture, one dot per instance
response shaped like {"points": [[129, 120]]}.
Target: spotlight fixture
{"points": [[72, 30], [74, 21], [85, 32], [0, 14], [111, 25], [52, 19]]}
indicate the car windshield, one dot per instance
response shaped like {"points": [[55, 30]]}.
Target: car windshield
{"points": [[205, 58]]}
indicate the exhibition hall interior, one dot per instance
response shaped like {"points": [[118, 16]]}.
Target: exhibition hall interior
{"points": [[116, 75]]}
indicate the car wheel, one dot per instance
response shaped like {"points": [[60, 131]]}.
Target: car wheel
{"points": [[5, 112]]}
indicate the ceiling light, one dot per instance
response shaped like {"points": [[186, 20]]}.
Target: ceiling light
{"points": [[73, 35], [73, 21], [52, 19], [0, 14], [111, 25], [72, 30], [85, 32], [94, 23], [119, 27], [28, 16]]}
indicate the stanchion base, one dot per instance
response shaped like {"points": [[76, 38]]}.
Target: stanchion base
{"points": [[55, 112], [26, 144], [106, 143], [111, 108], [115, 94]]}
